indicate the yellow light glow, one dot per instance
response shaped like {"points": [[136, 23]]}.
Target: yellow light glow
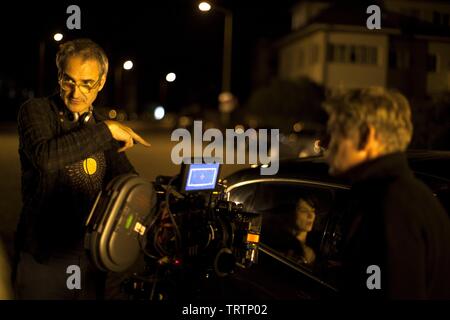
{"points": [[239, 129], [128, 65], [58, 37], [184, 121], [317, 147], [253, 237], [204, 6], [298, 127], [170, 77], [292, 138]]}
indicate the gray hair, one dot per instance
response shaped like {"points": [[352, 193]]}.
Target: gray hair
{"points": [[388, 111], [86, 49]]}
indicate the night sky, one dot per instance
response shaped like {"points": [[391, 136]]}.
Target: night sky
{"points": [[159, 36]]}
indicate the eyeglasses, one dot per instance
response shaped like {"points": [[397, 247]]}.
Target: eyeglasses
{"points": [[68, 84]]}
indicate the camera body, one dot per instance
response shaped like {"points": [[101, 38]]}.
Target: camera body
{"points": [[183, 227]]}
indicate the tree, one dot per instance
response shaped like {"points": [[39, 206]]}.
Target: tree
{"points": [[284, 102]]}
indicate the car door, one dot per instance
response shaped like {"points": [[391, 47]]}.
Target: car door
{"points": [[281, 254]]}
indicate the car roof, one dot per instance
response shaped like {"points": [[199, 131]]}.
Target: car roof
{"points": [[433, 165]]}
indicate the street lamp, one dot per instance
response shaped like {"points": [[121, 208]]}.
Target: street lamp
{"points": [[227, 41], [58, 37], [159, 113], [227, 101], [170, 77], [204, 6], [125, 86], [41, 68], [166, 86], [128, 65]]}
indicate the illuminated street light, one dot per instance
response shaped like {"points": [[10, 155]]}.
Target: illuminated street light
{"points": [[128, 65], [226, 65], [298, 127], [227, 42], [204, 6], [170, 77], [239, 129], [42, 54], [159, 112], [58, 37]]}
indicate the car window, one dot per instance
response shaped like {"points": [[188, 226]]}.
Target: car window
{"points": [[244, 195], [440, 188], [294, 218], [277, 202], [334, 238]]}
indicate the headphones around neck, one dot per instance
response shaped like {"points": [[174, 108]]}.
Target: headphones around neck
{"points": [[75, 117], [84, 118]]}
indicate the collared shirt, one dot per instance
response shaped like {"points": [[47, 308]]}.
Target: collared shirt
{"points": [[64, 165]]}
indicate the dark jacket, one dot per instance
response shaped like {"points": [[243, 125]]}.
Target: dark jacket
{"points": [[402, 228], [57, 194]]}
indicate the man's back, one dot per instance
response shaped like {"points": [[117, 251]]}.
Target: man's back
{"points": [[403, 229], [418, 237]]}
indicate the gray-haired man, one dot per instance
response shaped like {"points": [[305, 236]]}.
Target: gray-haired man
{"points": [[399, 226], [68, 152]]}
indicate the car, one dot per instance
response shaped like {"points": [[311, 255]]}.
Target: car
{"points": [[279, 274]]}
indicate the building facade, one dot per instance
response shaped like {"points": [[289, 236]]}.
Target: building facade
{"points": [[332, 46]]}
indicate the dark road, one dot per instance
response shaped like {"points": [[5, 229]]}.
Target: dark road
{"points": [[149, 162]]}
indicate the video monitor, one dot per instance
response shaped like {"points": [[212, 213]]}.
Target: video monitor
{"points": [[200, 176]]}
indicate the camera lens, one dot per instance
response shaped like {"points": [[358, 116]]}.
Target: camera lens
{"points": [[224, 262]]}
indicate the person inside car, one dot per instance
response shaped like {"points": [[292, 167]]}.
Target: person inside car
{"points": [[286, 229], [305, 215]]}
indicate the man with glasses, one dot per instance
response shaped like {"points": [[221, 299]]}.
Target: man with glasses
{"points": [[68, 152]]}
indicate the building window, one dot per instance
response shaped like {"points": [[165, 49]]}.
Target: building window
{"points": [[432, 62], [286, 63], [361, 53], [399, 59], [340, 53], [314, 54], [372, 55], [301, 58], [352, 54], [392, 59], [330, 52], [440, 18]]}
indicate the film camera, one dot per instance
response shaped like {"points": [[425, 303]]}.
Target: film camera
{"points": [[183, 228]]}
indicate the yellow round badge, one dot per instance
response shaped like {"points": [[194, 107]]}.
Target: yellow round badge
{"points": [[90, 166]]}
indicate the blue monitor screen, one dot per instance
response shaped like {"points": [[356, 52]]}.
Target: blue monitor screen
{"points": [[202, 176]]}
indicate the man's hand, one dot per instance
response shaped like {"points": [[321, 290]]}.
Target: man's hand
{"points": [[124, 134]]}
